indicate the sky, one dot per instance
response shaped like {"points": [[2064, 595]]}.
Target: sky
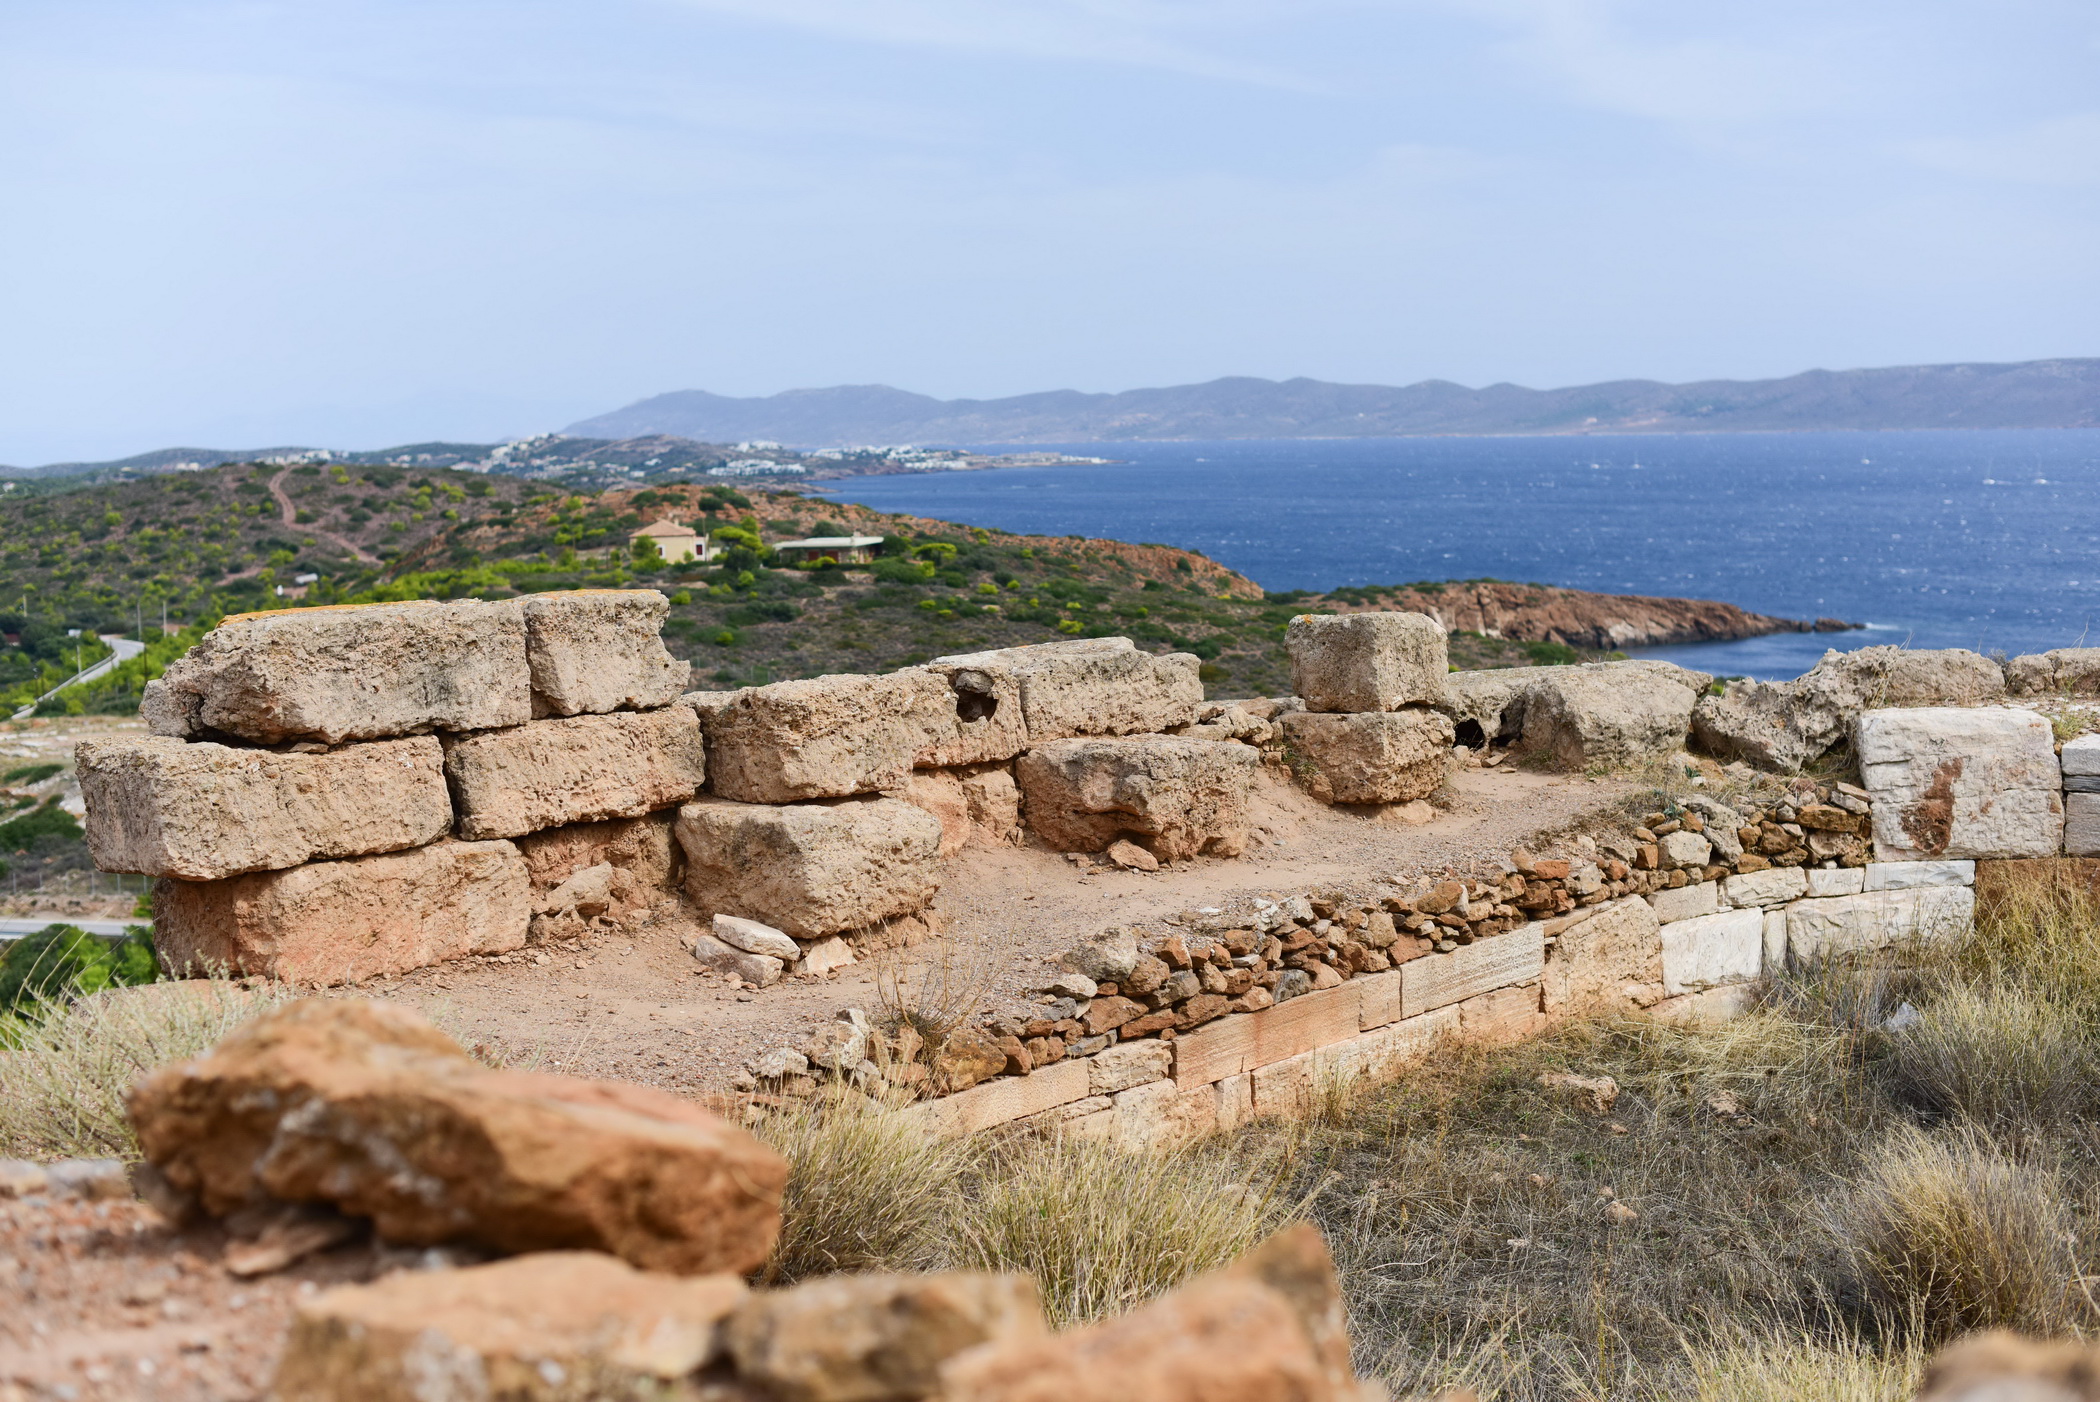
{"points": [[237, 223]]}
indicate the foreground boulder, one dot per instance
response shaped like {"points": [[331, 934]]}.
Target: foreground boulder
{"points": [[582, 769], [548, 1327], [369, 1109], [1610, 713], [160, 807], [1952, 783], [596, 650], [811, 869], [1367, 661], [1782, 726], [1088, 686], [350, 672], [1173, 796], [1373, 757]]}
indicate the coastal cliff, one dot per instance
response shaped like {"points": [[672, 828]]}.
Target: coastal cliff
{"points": [[1539, 613]]}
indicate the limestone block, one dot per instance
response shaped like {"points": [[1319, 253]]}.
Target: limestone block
{"points": [[366, 1107], [1709, 1005], [1369, 757], [2082, 824], [346, 921], [979, 720], [1775, 941], [2081, 753], [1684, 902], [1289, 1087], [1491, 700], [580, 769], [1609, 713], [202, 811], [1712, 950], [1249, 1041], [1947, 782], [1235, 1101], [1367, 661], [1501, 1016], [1160, 1115], [824, 737], [642, 847], [1905, 876], [1131, 1064], [1837, 881], [351, 672], [1783, 725], [546, 1327], [1004, 1100], [940, 793], [1875, 920], [1685, 849], [810, 869], [596, 650], [976, 807], [1518, 956], [2064, 671], [1090, 686], [1605, 960], [1173, 796], [1773, 886]]}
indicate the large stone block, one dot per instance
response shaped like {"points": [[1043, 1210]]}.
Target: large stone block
{"points": [[1949, 782], [2064, 671], [1249, 1041], [366, 1107], [595, 650], [824, 737], [346, 921], [1369, 757], [201, 811], [1519, 956], [1610, 959], [2080, 757], [1174, 796], [980, 719], [1772, 886], [1088, 686], [978, 807], [551, 1326], [1004, 1100], [2082, 824], [642, 847], [1609, 713], [1904, 876], [581, 769], [1289, 1087], [1711, 950], [1367, 661], [1487, 707], [1875, 920], [811, 869], [1783, 725], [350, 672], [1684, 902]]}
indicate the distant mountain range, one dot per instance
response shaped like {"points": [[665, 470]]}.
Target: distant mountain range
{"points": [[2032, 394]]}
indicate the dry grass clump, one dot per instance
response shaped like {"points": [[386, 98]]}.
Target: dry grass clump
{"points": [[62, 1083], [1784, 1368], [2007, 1057]]}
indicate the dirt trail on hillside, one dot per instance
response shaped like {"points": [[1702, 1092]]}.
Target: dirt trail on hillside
{"points": [[290, 512]]}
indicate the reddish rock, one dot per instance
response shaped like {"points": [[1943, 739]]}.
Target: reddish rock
{"points": [[1107, 1014]]}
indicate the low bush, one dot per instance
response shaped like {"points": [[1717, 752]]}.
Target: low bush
{"points": [[2009, 1058]]}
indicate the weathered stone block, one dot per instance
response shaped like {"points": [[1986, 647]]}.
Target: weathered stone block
{"points": [[2080, 757], [551, 1326], [1371, 756], [350, 920], [1609, 713], [1173, 796], [811, 869], [1161, 1115], [202, 811], [2082, 824], [1904, 876], [1355, 662], [1772, 886], [1502, 1016], [1434, 980], [1712, 950], [1603, 961], [1131, 1064], [824, 737], [1089, 686], [582, 769], [1839, 881], [642, 847], [1248, 1041], [1961, 783], [1876, 919], [1684, 902], [2064, 671], [1492, 701], [351, 672], [1775, 941], [1784, 725], [596, 650], [1286, 1088], [1004, 1100], [975, 807], [980, 720]]}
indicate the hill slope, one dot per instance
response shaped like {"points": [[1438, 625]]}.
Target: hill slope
{"points": [[2033, 394]]}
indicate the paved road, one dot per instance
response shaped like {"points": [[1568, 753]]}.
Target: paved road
{"points": [[124, 650]]}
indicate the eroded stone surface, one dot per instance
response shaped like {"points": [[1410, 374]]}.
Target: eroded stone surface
{"points": [[643, 847], [1090, 686], [1174, 796], [824, 737], [1772, 886], [1904, 876], [1711, 950], [596, 650], [1875, 920], [1949, 783], [811, 869], [1611, 959], [1492, 700], [202, 811], [1355, 662], [1783, 725], [2064, 671], [581, 769], [1609, 713], [346, 921], [1372, 757], [351, 672]]}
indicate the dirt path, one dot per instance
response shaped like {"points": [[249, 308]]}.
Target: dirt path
{"points": [[290, 515]]}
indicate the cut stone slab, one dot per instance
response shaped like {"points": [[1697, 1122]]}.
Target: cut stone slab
{"points": [[201, 811], [1003, 1100], [755, 937], [824, 737], [1518, 956], [1090, 686], [346, 921], [1781, 726], [1132, 1064], [2081, 754], [1951, 783], [1355, 662], [1685, 902], [2064, 671], [1286, 1088], [1173, 796], [2082, 824], [1610, 713], [1841, 881], [1904, 876], [597, 650], [811, 869], [1712, 950], [551, 1326], [1773, 886], [350, 672], [1248, 1041], [1611, 959], [1875, 920], [369, 1109], [580, 769], [1369, 757]]}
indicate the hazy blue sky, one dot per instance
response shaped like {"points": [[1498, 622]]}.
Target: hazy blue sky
{"points": [[358, 223]]}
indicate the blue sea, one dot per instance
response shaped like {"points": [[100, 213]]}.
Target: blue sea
{"points": [[1984, 540]]}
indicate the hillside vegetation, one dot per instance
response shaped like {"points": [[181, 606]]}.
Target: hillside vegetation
{"points": [[189, 548]]}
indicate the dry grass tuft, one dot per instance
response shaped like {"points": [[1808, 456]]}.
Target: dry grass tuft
{"points": [[2008, 1058], [1795, 1369]]}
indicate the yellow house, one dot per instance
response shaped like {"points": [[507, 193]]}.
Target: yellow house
{"points": [[677, 544]]}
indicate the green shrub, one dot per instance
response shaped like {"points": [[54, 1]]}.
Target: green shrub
{"points": [[30, 773], [62, 961], [46, 820]]}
